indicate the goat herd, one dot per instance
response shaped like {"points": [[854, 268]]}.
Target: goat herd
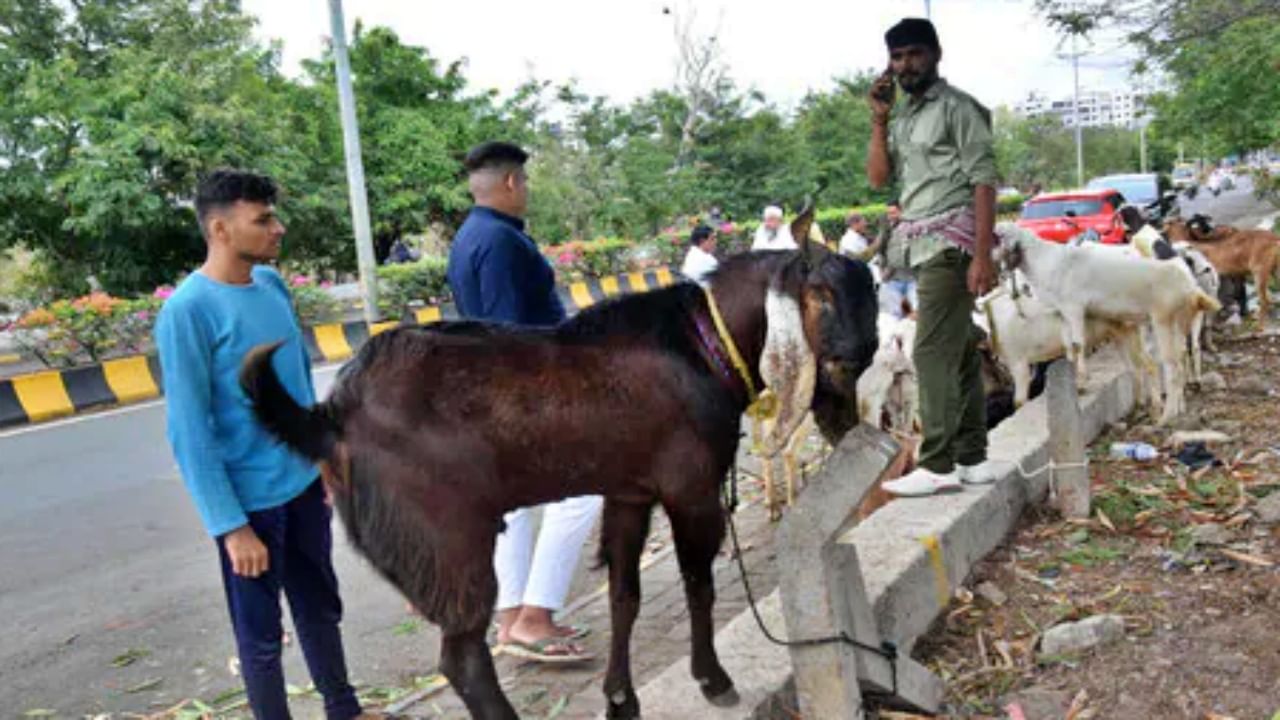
{"points": [[1160, 291], [432, 433]]}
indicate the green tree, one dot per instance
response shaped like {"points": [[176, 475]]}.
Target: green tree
{"points": [[120, 105], [417, 120], [1219, 59]]}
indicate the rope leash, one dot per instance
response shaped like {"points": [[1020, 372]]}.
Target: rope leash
{"points": [[886, 650], [1051, 466]]}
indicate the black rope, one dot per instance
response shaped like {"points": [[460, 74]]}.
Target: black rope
{"points": [[886, 650]]}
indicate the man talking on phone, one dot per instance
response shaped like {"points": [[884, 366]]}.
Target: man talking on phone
{"points": [[937, 144]]}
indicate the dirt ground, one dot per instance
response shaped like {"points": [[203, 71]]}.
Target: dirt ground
{"points": [[1182, 556]]}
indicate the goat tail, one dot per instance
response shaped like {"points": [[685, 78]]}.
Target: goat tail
{"points": [[1205, 302], [310, 432]]}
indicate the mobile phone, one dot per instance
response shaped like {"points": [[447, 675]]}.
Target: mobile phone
{"points": [[884, 92]]}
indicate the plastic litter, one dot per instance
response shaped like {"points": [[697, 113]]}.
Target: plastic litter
{"points": [[1142, 452], [1195, 456]]}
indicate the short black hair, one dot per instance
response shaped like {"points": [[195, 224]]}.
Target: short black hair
{"points": [[225, 187], [699, 234], [912, 31], [495, 153]]}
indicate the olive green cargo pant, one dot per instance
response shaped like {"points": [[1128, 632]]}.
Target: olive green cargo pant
{"points": [[948, 367]]}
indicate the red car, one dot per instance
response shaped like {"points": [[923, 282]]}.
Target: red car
{"points": [[1061, 216]]}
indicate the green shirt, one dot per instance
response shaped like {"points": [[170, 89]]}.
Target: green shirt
{"points": [[941, 148]]}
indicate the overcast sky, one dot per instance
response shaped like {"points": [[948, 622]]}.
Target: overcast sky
{"points": [[998, 50]]}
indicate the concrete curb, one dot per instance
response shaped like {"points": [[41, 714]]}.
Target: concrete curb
{"points": [[912, 553], [51, 394]]}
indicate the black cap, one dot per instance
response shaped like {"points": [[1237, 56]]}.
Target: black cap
{"points": [[912, 31], [494, 152]]}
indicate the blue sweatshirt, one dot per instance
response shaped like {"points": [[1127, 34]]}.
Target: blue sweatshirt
{"points": [[497, 274], [230, 464]]}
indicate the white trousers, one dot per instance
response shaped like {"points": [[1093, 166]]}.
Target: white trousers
{"points": [[541, 576]]}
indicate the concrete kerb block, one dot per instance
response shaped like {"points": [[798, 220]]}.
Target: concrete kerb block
{"points": [[758, 667], [823, 594], [915, 552]]}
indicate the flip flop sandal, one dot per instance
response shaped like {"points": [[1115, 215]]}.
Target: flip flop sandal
{"points": [[543, 651], [579, 632]]}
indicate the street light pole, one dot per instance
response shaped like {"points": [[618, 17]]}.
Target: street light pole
{"points": [[928, 9], [355, 166], [1142, 145], [1075, 102]]}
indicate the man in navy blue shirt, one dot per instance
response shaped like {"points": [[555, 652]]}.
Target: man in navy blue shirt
{"points": [[496, 271], [497, 274]]}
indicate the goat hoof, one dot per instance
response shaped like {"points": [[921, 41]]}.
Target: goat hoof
{"points": [[628, 709], [728, 698]]}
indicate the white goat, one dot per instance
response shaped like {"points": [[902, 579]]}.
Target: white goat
{"points": [[1206, 277], [1079, 281], [887, 389], [1024, 331], [1151, 244]]}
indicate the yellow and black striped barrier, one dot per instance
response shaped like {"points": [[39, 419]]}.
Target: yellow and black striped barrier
{"points": [[40, 396]]}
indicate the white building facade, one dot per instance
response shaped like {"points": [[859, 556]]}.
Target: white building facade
{"points": [[1098, 108]]}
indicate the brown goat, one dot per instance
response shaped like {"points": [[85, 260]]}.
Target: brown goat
{"points": [[432, 433], [1234, 253]]}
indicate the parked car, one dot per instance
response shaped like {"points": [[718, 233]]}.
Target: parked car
{"points": [[1149, 192], [1063, 215]]}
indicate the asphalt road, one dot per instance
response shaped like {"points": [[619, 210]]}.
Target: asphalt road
{"points": [[101, 553]]}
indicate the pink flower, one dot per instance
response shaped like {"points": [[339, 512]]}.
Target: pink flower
{"points": [[142, 315], [299, 280], [326, 284], [726, 227], [163, 292]]}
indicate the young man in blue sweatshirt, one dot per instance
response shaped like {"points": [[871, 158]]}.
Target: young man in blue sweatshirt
{"points": [[497, 274], [263, 505]]}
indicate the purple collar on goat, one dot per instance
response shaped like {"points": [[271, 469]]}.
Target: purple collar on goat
{"points": [[717, 355], [763, 405]]}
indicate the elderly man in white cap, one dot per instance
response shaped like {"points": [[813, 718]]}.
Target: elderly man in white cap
{"points": [[773, 234]]}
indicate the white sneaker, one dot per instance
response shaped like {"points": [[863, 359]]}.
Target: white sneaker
{"points": [[922, 483], [984, 473]]}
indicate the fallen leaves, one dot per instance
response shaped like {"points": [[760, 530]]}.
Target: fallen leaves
{"points": [[1106, 521], [145, 685], [1246, 558], [129, 657], [1079, 709]]}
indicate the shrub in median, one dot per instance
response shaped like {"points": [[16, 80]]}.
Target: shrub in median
{"points": [[580, 260], [89, 329], [419, 281], [312, 301]]}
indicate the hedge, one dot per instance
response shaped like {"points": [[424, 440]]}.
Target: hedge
{"points": [[419, 281], [579, 260]]}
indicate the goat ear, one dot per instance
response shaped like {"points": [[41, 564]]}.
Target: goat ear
{"points": [[800, 228], [788, 367]]}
